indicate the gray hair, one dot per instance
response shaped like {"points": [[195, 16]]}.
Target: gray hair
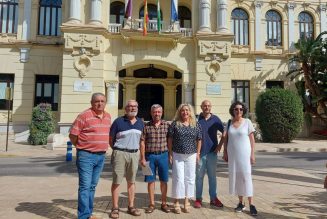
{"points": [[155, 106], [94, 95], [128, 101]]}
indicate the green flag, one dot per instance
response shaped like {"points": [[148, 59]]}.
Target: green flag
{"points": [[158, 16]]}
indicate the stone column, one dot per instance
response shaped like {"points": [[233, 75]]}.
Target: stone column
{"points": [[222, 16], [74, 11], [111, 93], [291, 29], [205, 7], [258, 36], [323, 14], [258, 46], [95, 15], [26, 33], [128, 20], [188, 96]]}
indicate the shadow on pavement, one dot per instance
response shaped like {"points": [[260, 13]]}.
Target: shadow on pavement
{"points": [[312, 206]]}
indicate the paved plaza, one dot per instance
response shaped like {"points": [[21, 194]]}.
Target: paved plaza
{"points": [[279, 192]]}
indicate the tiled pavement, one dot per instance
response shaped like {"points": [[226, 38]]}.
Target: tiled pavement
{"points": [[279, 192]]}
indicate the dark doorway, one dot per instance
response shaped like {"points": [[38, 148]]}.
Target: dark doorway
{"points": [[146, 96]]}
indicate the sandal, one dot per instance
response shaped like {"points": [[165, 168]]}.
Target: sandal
{"points": [[187, 207], [114, 213], [133, 211], [177, 209], [150, 209], [165, 208]]}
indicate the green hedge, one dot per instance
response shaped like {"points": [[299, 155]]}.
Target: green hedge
{"points": [[279, 114], [42, 124]]}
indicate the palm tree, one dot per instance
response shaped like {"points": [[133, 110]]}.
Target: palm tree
{"points": [[311, 59]]}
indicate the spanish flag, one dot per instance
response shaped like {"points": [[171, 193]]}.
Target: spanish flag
{"points": [[145, 18]]}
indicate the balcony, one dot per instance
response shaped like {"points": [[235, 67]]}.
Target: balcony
{"points": [[137, 25]]}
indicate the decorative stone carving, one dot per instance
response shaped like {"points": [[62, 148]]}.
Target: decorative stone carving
{"points": [[111, 92], [82, 63], [213, 69], [258, 4], [214, 47], [83, 40]]}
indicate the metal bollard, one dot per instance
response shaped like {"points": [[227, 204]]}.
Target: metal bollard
{"points": [[69, 154]]}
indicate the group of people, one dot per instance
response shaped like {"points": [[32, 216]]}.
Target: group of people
{"points": [[188, 144]]}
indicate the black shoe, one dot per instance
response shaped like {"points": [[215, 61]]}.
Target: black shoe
{"points": [[253, 210], [240, 207]]}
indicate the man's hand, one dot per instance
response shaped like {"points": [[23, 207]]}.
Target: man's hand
{"points": [[143, 162]]}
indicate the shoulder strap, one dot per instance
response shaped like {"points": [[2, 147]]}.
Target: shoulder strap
{"points": [[228, 124]]}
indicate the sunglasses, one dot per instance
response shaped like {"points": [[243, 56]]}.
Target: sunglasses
{"points": [[238, 109]]}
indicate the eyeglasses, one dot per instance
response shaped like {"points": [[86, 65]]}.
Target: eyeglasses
{"points": [[238, 109], [132, 106]]}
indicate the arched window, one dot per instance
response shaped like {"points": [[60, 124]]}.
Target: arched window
{"points": [[240, 26], [50, 17], [274, 28], [117, 11], [184, 17], [305, 25], [8, 16], [152, 12]]}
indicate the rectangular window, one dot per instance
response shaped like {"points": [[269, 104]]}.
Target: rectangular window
{"points": [[47, 90], [50, 18], [241, 92], [8, 16], [6, 81], [274, 84]]}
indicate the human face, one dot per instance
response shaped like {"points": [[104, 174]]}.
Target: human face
{"points": [[156, 114], [98, 103], [238, 111], [131, 109], [206, 107], [185, 113]]}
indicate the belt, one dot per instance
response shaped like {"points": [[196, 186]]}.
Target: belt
{"points": [[156, 152], [93, 152], [126, 150]]}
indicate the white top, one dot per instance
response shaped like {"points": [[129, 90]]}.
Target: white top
{"points": [[239, 163]]}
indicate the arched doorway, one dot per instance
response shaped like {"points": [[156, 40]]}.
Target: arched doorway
{"points": [[146, 96]]}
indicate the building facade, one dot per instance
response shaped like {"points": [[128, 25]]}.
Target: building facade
{"points": [[60, 52]]}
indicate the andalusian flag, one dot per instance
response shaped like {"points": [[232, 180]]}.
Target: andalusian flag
{"points": [[145, 18], [158, 16]]}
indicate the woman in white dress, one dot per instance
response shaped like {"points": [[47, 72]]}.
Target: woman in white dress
{"points": [[239, 153]]}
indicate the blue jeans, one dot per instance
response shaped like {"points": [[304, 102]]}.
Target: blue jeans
{"points": [[89, 168], [159, 162], [207, 163]]}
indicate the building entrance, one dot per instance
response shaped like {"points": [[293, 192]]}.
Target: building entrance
{"points": [[146, 96]]}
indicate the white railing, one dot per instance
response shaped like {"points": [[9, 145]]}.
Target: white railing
{"points": [[187, 32], [114, 28], [137, 24]]}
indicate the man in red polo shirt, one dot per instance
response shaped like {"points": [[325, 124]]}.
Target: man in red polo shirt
{"points": [[90, 134]]}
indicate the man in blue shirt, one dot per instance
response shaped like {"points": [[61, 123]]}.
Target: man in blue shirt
{"points": [[208, 157], [124, 139]]}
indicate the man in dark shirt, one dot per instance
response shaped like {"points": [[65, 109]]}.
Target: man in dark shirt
{"points": [[208, 157], [153, 148]]}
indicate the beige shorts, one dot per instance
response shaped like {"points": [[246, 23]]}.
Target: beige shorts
{"points": [[124, 164]]}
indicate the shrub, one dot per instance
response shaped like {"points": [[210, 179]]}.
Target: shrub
{"points": [[42, 124], [279, 114]]}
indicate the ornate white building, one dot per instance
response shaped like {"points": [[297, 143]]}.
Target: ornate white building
{"points": [[60, 52]]}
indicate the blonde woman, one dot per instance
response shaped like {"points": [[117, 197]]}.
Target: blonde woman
{"points": [[184, 144]]}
